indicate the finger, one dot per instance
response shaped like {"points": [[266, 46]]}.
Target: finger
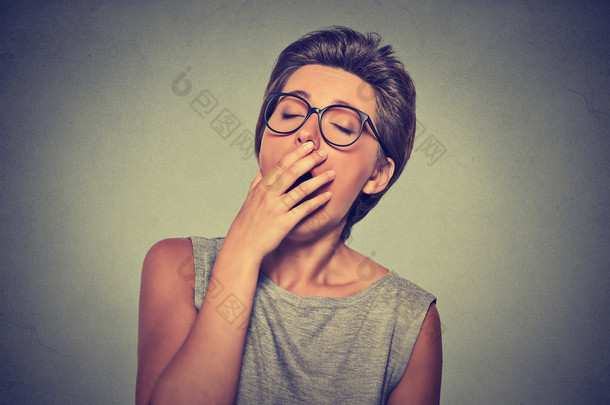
{"points": [[297, 169], [304, 189], [301, 167], [256, 180], [273, 181], [302, 210]]}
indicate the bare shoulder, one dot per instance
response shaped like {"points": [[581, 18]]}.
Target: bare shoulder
{"points": [[171, 249], [168, 281], [171, 261], [168, 278], [421, 381], [166, 310]]}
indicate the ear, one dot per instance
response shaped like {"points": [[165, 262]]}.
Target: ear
{"points": [[379, 178]]}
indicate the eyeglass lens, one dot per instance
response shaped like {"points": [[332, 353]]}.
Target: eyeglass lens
{"points": [[340, 125]]}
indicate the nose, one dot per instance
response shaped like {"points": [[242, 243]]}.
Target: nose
{"points": [[310, 131]]}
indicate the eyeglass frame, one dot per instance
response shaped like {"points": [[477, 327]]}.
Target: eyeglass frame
{"points": [[364, 118]]}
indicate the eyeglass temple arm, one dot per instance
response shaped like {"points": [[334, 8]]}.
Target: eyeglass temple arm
{"points": [[368, 120]]}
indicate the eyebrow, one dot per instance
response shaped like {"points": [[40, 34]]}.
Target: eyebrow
{"points": [[306, 96]]}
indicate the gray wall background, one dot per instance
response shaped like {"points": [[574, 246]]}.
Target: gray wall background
{"points": [[502, 211]]}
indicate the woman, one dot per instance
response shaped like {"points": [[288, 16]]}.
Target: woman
{"points": [[281, 310]]}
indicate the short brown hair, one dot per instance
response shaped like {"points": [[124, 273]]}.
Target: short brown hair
{"points": [[359, 54]]}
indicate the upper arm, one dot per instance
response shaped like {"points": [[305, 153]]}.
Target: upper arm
{"points": [[421, 382], [166, 312]]}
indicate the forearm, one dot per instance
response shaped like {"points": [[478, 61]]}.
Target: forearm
{"points": [[207, 366], [206, 369]]}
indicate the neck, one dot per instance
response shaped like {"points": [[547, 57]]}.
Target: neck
{"points": [[305, 262]]}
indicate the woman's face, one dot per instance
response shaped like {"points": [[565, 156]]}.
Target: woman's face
{"points": [[354, 165]]}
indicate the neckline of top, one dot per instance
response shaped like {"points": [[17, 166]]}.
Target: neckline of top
{"points": [[277, 292]]}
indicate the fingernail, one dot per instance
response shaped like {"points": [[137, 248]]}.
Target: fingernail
{"points": [[331, 173], [308, 145], [322, 153]]}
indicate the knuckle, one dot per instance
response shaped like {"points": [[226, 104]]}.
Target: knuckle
{"points": [[273, 186], [308, 206], [289, 200], [283, 163], [301, 190], [294, 171], [271, 182]]}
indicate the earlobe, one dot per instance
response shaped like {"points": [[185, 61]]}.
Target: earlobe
{"points": [[379, 178]]}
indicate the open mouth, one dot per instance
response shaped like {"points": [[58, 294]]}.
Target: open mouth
{"points": [[301, 179]]}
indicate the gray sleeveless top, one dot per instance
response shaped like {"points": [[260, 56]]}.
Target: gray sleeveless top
{"points": [[322, 350]]}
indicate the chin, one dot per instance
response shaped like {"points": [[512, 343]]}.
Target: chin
{"points": [[313, 227]]}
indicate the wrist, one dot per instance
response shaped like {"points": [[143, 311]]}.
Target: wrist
{"points": [[239, 254], [241, 244]]}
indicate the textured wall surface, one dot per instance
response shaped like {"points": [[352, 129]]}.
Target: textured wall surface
{"points": [[502, 212]]}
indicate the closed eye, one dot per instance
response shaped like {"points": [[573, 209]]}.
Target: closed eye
{"points": [[290, 116], [343, 129]]}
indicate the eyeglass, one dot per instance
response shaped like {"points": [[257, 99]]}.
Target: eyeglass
{"points": [[340, 125]]}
